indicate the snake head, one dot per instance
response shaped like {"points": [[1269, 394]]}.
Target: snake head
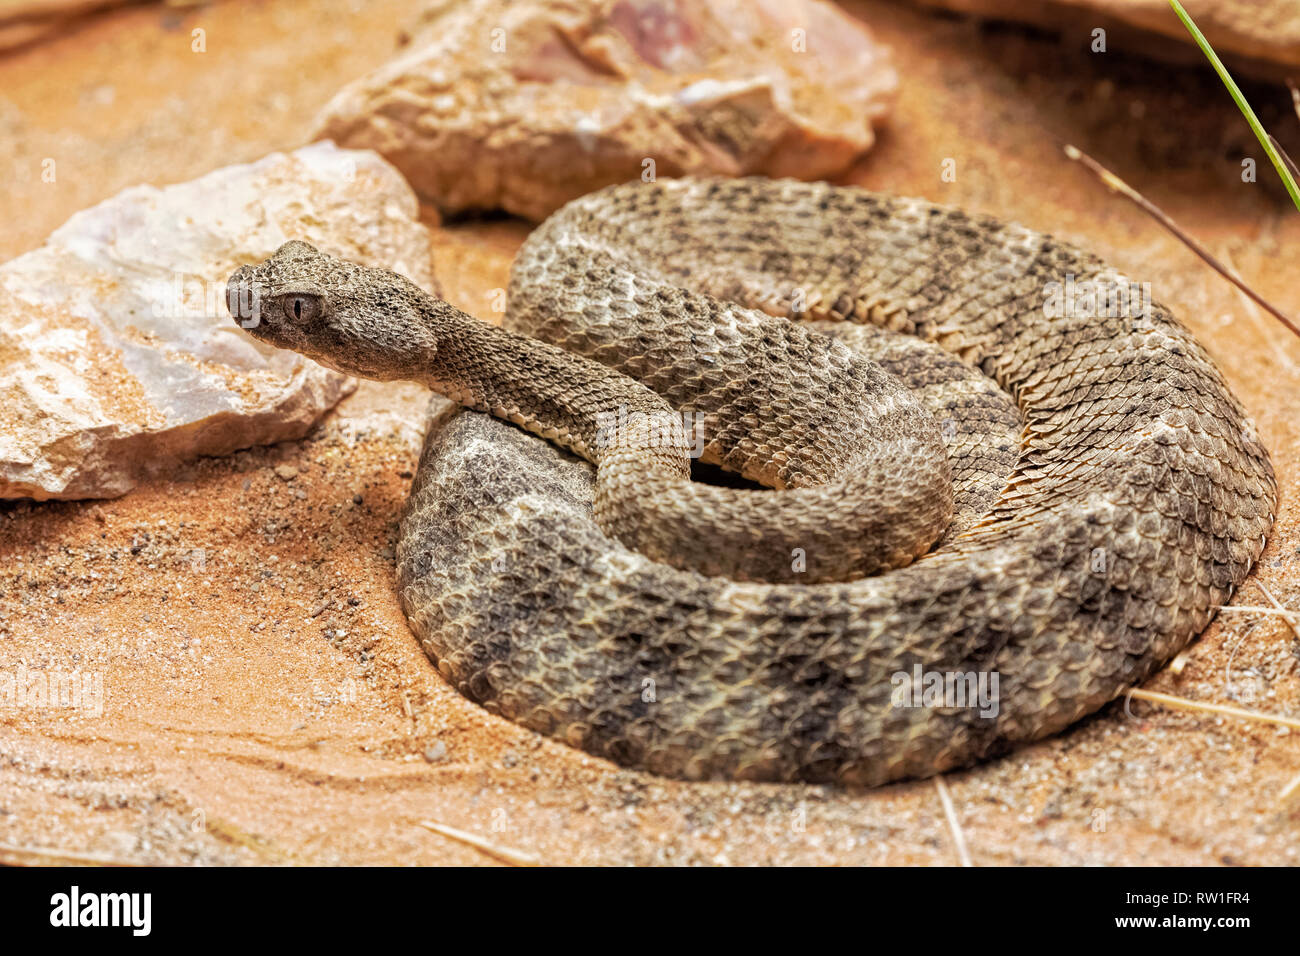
{"points": [[353, 319]]}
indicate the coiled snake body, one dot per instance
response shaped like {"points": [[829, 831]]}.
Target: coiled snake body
{"points": [[1058, 493]]}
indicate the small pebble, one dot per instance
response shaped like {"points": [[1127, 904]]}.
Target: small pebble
{"points": [[435, 753]]}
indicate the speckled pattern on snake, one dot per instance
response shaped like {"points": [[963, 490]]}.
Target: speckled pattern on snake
{"points": [[971, 467]]}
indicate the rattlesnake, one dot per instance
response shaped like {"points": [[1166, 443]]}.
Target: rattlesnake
{"points": [[1086, 485]]}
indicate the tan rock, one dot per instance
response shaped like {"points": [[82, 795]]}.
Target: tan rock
{"points": [[118, 358], [29, 21], [1256, 30], [523, 106]]}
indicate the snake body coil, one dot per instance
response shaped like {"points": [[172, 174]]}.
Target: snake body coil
{"points": [[1080, 485]]}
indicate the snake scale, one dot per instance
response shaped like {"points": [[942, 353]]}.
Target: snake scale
{"points": [[958, 476]]}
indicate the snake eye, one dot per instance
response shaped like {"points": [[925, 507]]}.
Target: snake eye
{"points": [[302, 308]]}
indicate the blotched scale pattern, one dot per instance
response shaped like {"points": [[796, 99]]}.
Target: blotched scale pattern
{"points": [[1109, 491]]}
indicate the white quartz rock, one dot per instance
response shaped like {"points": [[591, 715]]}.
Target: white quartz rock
{"points": [[118, 358]]}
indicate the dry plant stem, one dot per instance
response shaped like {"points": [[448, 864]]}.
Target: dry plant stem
{"points": [[1286, 158], [1256, 609], [1182, 703], [503, 853], [1115, 184], [1289, 616], [1290, 790], [12, 855], [958, 837], [1294, 786]]}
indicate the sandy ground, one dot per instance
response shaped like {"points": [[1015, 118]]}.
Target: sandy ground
{"points": [[264, 701]]}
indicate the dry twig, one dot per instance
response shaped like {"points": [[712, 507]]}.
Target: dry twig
{"points": [[958, 838], [503, 853], [1115, 184], [1183, 703], [14, 855]]}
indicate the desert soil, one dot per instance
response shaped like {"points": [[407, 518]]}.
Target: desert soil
{"points": [[264, 700]]}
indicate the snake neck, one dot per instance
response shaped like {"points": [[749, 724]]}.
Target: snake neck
{"points": [[567, 399]]}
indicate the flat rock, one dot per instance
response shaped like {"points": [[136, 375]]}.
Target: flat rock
{"points": [[523, 106], [118, 358], [1260, 31]]}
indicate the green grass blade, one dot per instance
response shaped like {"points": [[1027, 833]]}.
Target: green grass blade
{"points": [[1246, 111]]}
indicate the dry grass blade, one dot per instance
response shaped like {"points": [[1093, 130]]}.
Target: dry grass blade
{"points": [[1286, 157], [1289, 616], [1289, 791], [958, 837], [1115, 184], [1182, 703], [503, 853], [13, 855], [1256, 127], [249, 841], [1256, 609]]}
